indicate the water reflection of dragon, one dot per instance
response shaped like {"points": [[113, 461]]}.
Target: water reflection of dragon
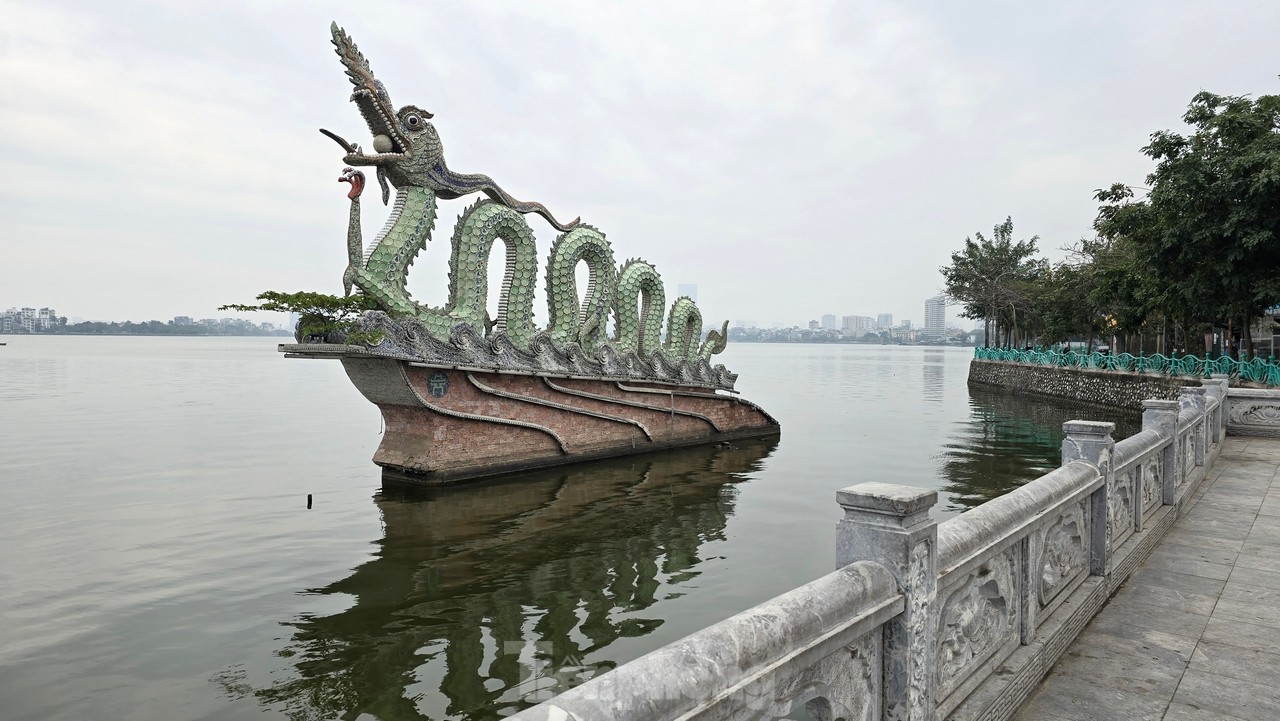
{"points": [[408, 155]]}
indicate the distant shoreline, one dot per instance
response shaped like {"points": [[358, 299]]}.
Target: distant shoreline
{"points": [[856, 342], [279, 334]]}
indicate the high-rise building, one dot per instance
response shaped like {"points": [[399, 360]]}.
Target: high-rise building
{"points": [[884, 320], [935, 318], [829, 322], [813, 325], [689, 289], [856, 323]]}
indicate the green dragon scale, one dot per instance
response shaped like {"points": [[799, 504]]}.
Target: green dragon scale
{"points": [[409, 156], [568, 322], [640, 297]]}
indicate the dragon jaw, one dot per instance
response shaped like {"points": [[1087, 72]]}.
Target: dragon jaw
{"points": [[407, 148], [405, 145], [390, 142]]}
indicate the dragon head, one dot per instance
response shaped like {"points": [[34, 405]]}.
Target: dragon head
{"points": [[405, 144]]}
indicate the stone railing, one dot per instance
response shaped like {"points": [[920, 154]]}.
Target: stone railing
{"points": [[820, 646], [1254, 412], [925, 620]]}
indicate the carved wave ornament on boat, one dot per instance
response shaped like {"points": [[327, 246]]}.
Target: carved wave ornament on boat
{"points": [[409, 339]]}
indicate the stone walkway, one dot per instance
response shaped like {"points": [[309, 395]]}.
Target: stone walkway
{"points": [[1194, 635]]}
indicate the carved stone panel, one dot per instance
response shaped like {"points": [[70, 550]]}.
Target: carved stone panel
{"points": [[979, 616], [1120, 506], [1254, 417], [1260, 413], [1151, 485], [845, 685], [1063, 552]]}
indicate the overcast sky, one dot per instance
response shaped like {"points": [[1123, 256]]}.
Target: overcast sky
{"points": [[791, 159]]}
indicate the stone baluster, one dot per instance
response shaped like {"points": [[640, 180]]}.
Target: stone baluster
{"points": [[891, 525], [1193, 397], [1217, 384], [1091, 441], [1162, 416]]}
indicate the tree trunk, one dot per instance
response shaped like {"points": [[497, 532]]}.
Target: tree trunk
{"points": [[1015, 323]]}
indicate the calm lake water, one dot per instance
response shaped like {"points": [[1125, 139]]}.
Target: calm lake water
{"points": [[158, 559]]}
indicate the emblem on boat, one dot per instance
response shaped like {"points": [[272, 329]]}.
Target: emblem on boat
{"points": [[438, 384]]}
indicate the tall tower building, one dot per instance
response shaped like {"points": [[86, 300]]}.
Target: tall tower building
{"points": [[829, 322], [935, 318], [884, 320], [856, 323]]}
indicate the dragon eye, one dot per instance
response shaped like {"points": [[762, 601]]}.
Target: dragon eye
{"points": [[412, 121]]}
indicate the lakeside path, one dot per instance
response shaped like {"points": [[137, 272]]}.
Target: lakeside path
{"points": [[1194, 634]]}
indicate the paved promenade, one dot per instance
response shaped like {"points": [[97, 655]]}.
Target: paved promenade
{"points": [[1194, 635]]}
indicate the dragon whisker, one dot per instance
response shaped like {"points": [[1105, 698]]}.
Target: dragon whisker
{"points": [[339, 140]]}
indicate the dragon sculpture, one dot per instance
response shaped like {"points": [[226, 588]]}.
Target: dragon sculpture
{"points": [[409, 157]]}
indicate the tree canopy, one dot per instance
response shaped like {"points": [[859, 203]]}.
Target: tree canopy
{"points": [[1208, 227], [320, 314], [994, 278], [1199, 248]]}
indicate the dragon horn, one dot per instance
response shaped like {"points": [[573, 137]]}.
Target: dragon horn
{"points": [[357, 66]]}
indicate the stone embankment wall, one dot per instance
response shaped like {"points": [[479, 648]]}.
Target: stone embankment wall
{"points": [[1109, 388]]}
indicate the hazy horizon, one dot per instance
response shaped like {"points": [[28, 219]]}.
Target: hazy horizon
{"points": [[790, 160]]}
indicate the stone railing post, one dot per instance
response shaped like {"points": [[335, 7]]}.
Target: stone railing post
{"points": [[1217, 385], [891, 525], [1091, 441], [1193, 397], [1162, 416]]}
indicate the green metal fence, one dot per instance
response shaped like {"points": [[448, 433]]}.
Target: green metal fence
{"points": [[1257, 369]]}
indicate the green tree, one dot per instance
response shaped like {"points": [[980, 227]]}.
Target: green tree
{"points": [[1065, 309], [319, 314], [1208, 227], [993, 279]]}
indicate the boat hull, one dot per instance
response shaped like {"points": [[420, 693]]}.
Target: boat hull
{"points": [[447, 425]]}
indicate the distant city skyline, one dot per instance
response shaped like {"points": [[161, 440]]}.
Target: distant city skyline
{"points": [[284, 320], [28, 319]]}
